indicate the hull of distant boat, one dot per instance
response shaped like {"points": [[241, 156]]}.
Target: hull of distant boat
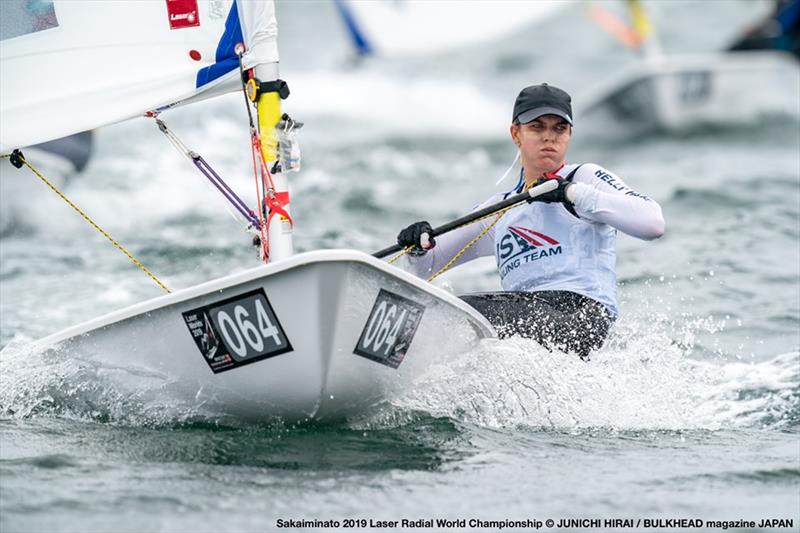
{"points": [[320, 335], [681, 93], [23, 196]]}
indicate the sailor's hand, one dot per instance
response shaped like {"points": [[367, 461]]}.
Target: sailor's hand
{"points": [[559, 194], [417, 235]]}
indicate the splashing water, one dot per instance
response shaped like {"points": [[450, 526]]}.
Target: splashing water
{"points": [[36, 384], [642, 379]]}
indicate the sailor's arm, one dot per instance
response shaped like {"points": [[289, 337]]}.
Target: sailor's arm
{"points": [[449, 245], [446, 248], [600, 196]]}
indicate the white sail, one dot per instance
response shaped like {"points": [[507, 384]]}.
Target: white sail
{"points": [[72, 65], [434, 26]]}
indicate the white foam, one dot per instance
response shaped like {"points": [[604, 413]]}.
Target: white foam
{"points": [[639, 382], [642, 383], [34, 384]]}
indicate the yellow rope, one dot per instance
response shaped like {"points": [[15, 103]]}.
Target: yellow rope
{"points": [[497, 214], [401, 254], [90, 221], [467, 246]]}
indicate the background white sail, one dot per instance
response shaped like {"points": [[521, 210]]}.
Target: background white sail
{"points": [[424, 27], [71, 65]]}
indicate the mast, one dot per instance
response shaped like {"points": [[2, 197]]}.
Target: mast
{"points": [[661, 82], [266, 90], [268, 108]]}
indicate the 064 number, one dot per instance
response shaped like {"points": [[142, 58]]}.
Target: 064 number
{"points": [[239, 329], [383, 328]]}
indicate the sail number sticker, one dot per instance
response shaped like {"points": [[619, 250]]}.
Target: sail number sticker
{"points": [[237, 331], [390, 329]]}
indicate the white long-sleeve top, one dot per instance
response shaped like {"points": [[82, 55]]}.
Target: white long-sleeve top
{"points": [[540, 246]]}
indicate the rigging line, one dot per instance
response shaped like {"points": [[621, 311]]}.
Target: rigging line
{"points": [[21, 160], [255, 146], [226, 191], [239, 50], [498, 215], [258, 162], [246, 214], [514, 162], [470, 244]]}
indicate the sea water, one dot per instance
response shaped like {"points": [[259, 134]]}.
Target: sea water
{"points": [[686, 419]]}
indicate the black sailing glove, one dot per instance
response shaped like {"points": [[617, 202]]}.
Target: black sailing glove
{"points": [[556, 195], [411, 237]]}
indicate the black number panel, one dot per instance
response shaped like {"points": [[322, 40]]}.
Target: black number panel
{"points": [[390, 329], [237, 331]]}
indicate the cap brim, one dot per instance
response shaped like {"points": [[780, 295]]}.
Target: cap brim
{"points": [[533, 114]]}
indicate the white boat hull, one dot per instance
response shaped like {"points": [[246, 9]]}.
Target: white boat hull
{"points": [[333, 349], [679, 93]]}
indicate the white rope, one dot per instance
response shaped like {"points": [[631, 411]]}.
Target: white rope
{"points": [[505, 174]]}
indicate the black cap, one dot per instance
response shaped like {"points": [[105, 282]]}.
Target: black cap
{"points": [[538, 100]]}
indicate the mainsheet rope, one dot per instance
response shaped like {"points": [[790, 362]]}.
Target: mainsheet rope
{"points": [[498, 215], [17, 159]]}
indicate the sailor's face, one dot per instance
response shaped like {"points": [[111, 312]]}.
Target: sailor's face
{"points": [[543, 143]]}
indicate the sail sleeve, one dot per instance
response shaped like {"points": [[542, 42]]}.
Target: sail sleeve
{"points": [[72, 65], [260, 29]]}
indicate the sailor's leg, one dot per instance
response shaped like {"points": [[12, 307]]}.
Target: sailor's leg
{"points": [[555, 319], [575, 323]]}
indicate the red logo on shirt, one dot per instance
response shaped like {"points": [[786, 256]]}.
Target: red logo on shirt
{"points": [[520, 246], [532, 237], [182, 14]]}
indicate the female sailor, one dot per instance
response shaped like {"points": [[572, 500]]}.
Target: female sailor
{"points": [[556, 255]]}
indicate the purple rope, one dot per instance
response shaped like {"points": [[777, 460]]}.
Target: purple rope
{"points": [[226, 191]]}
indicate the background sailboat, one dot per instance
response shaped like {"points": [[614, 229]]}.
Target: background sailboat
{"points": [[407, 27], [23, 200], [668, 92]]}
